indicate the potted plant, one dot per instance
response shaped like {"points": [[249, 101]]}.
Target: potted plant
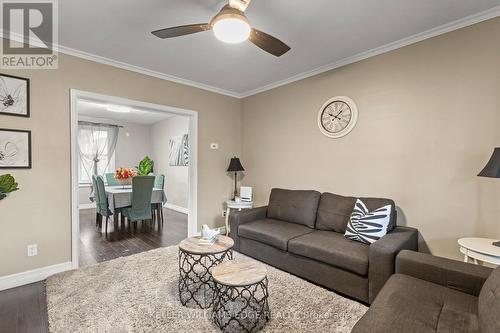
{"points": [[7, 184], [145, 167]]}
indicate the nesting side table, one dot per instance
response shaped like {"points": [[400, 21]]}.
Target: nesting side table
{"points": [[241, 302], [196, 286]]}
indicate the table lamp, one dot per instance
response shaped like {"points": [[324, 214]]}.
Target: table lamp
{"points": [[492, 170], [235, 166]]}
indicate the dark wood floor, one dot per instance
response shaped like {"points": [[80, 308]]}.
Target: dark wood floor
{"points": [[24, 309], [96, 246]]}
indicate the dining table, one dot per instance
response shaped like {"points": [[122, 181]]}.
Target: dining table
{"points": [[121, 197]]}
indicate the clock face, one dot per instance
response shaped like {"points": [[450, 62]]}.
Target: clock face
{"points": [[337, 117]]}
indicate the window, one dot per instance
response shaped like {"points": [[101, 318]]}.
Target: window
{"points": [[89, 138]]}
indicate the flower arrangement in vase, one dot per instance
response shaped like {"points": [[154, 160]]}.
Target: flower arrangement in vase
{"points": [[125, 175]]}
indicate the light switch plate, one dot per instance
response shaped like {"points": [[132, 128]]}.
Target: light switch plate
{"points": [[32, 250], [214, 145]]}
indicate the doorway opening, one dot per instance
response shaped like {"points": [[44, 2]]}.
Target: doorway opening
{"points": [[110, 133]]}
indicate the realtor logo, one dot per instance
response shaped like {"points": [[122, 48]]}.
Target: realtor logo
{"points": [[29, 34]]}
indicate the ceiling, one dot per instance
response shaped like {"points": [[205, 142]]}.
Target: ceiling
{"points": [[323, 34], [135, 115]]}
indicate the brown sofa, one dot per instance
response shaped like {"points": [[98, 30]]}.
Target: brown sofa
{"points": [[302, 232], [432, 294]]}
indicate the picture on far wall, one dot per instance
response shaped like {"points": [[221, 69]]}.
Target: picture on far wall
{"points": [[179, 151], [14, 96], [15, 149]]}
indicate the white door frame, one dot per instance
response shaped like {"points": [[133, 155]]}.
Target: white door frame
{"points": [[75, 95]]}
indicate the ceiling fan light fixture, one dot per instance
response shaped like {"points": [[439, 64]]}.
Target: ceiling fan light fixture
{"points": [[231, 28]]}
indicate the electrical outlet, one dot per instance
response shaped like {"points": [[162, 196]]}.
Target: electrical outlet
{"points": [[224, 213], [32, 250]]}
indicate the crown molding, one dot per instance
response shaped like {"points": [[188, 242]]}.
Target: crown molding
{"points": [[455, 25], [123, 65], [449, 27]]}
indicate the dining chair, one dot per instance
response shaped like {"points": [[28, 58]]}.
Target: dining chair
{"points": [[142, 189], [110, 178], [93, 197], [101, 199], [158, 207]]}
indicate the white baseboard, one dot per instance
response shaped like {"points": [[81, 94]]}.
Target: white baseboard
{"points": [[90, 205], [35, 275], [176, 208]]}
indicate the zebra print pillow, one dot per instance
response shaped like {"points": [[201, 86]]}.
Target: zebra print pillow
{"points": [[365, 226]]}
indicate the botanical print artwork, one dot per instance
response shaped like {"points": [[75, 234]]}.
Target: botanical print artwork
{"points": [[14, 96], [179, 151], [15, 149]]}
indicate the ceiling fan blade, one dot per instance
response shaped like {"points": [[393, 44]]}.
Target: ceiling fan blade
{"points": [[181, 30], [268, 43]]}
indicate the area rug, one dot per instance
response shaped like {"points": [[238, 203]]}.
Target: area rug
{"points": [[139, 293]]}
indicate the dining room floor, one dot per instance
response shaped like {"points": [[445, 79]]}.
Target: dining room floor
{"points": [[96, 247]]}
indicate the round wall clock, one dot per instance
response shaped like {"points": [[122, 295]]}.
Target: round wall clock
{"points": [[337, 117]]}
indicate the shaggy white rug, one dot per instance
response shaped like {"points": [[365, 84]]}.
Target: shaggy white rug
{"points": [[139, 293]]}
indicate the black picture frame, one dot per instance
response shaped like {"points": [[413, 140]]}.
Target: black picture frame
{"points": [[3, 98], [28, 133]]}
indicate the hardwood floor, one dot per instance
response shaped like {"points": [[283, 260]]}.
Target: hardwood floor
{"points": [[96, 247], [24, 309]]}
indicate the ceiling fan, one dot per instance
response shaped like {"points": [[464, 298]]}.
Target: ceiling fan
{"points": [[230, 25]]}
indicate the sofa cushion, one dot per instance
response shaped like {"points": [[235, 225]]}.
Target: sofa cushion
{"points": [[410, 305], [297, 206], [489, 303], [272, 232], [335, 210], [334, 249]]}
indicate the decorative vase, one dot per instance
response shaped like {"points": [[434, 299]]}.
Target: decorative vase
{"points": [[125, 182]]}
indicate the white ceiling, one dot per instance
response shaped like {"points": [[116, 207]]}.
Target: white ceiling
{"points": [[323, 34], [98, 109]]}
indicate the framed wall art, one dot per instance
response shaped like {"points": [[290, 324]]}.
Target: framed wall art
{"points": [[14, 96], [15, 149]]}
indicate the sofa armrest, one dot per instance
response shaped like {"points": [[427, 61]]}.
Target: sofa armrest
{"points": [[383, 253], [467, 278], [236, 218]]}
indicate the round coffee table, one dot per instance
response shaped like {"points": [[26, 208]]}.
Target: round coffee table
{"points": [[196, 287], [241, 303]]}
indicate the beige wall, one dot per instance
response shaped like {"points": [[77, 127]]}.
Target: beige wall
{"points": [[176, 177], [428, 121], [40, 211]]}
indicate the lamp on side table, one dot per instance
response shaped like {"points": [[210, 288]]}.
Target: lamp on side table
{"points": [[492, 170], [235, 166]]}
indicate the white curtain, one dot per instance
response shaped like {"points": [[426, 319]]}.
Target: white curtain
{"points": [[97, 143]]}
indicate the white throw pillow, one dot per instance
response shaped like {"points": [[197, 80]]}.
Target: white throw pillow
{"points": [[365, 226]]}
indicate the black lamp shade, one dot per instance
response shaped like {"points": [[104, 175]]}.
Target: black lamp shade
{"points": [[235, 165], [492, 168]]}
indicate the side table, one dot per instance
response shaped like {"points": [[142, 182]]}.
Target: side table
{"points": [[196, 286], [241, 303], [231, 204], [480, 250]]}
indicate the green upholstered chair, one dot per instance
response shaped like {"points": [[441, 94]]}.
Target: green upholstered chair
{"points": [[142, 189], [93, 198], [101, 200], [110, 178], [159, 181], [158, 207]]}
